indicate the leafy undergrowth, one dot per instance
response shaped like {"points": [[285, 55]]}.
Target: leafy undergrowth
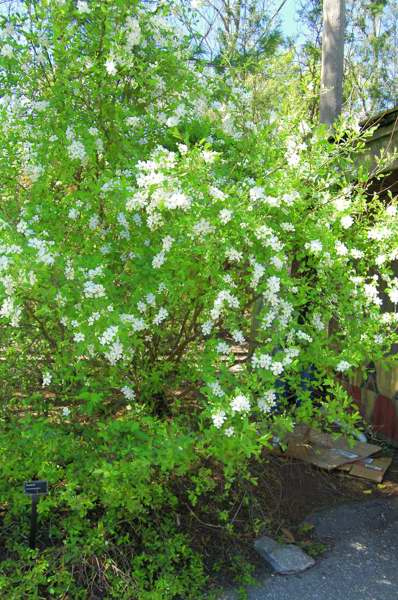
{"points": [[126, 524]]}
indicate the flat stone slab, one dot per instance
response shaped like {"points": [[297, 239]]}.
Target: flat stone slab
{"points": [[360, 564], [285, 559]]}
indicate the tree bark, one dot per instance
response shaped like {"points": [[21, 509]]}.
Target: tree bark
{"points": [[332, 60]]}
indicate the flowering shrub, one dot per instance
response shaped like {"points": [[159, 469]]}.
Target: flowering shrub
{"points": [[168, 273]]}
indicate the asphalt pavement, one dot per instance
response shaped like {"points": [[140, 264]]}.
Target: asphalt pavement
{"points": [[360, 564]]}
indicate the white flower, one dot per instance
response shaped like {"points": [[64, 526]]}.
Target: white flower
{"points": [[341, 204], [142, 307], [79, 337], [238, 336], [391, 210], [393, 294], [314, 246], [77, 151], [7, 51], [317, 321], [203, 227], [223, 297], [209, 156], [177, 200], [65, 411], [82, 7], [303, 336], [110, 67], [277, 368], [207, 327], [167, 242], [10, 310], [133, 121], [287, 227], [94, 222], [217, 193], [128, 392], [216, 389], [115, 352], [258, 272], [34, 171], [73, 214], [229, 431], [341, 249], [93, 318], [173, 121], [93, 290], [133, 32], [277, 262], [151, 299], [40, 105], [379, 233], [233, 255], [225, 215], [372, 294], [218, 418], [346, 221], [109, 334], [158, 260], [304, 128], [161, 316], [342, 366], [256, 193], [290, 354], [292, 158], [240, 403], [182, 148], [46, 379], [267, 402], [136, 324], [271, 201], [290, 198], [264, 361], [222, 348], [355, 253], [4, 263]]}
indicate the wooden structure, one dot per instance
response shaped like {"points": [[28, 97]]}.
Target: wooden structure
{"points": [[377, 397]]}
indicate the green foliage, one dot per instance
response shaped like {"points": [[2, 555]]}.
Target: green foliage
{"points": [[175, 267], [103, 527]]}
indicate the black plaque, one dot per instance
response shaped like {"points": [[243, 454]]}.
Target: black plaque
{"points": [[36, 488]]}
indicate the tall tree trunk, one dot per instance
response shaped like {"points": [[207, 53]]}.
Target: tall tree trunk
{"points": [[332, 60]]}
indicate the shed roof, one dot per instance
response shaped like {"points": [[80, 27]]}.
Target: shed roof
{"points": [[383, 118], [385, 138]]}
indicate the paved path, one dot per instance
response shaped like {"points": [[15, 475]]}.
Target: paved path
{"points": [[362, 563]]}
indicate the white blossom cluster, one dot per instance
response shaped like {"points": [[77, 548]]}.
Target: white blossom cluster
{"points": [[141, 258]]}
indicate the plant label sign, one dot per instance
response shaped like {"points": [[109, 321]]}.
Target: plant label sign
{"points": [[36, 488]]}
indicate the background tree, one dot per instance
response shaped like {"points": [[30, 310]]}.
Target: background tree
{"points": [[371, 54], [232, 31], [332, 71]]}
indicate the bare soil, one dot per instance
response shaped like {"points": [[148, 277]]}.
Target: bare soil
{"points": [[283, 493]]}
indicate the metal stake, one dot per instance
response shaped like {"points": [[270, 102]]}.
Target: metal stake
{"points": [[33, 522]]}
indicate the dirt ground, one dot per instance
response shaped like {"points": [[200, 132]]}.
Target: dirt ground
{"points": [[285, 493]]}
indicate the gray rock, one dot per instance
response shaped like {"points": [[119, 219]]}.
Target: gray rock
{"points": [[285, 559]]}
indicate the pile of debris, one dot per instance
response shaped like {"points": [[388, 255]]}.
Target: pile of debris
{"points": [[329, 452]]}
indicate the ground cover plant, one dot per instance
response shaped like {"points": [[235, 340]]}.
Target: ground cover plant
{"points": [[174, 269]]}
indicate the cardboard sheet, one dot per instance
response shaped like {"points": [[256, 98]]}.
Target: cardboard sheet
{"points": [[372, 469], [322, 450]]}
